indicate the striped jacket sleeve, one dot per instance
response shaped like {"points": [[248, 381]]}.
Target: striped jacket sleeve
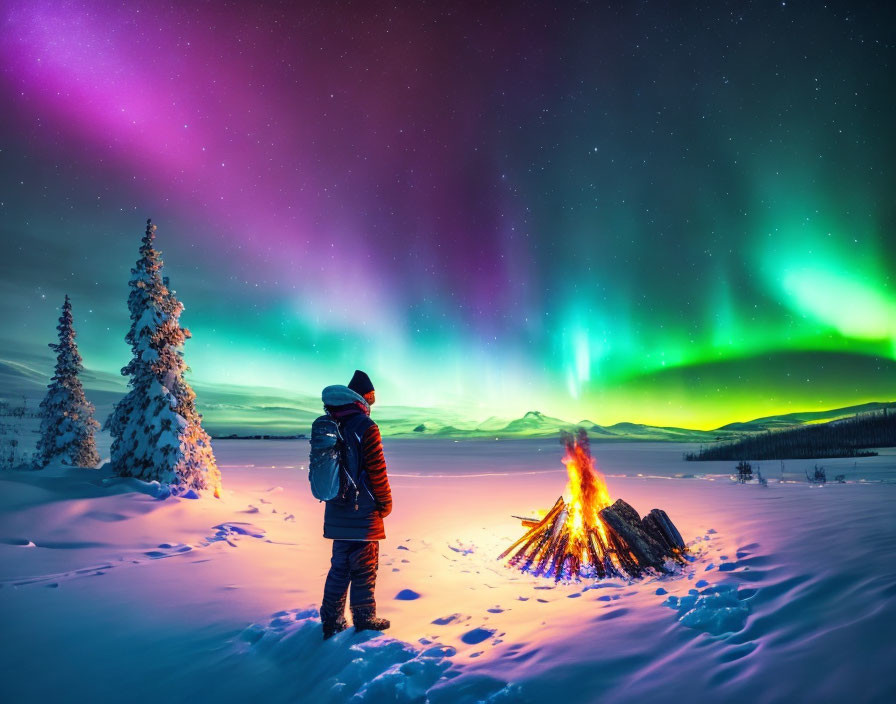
{"points": [[375, 462]]}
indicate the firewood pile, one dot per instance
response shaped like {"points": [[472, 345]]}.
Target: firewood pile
{"points": [[587, 535]]}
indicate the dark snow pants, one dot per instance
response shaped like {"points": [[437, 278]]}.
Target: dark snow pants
{"points": [[354, 564]]}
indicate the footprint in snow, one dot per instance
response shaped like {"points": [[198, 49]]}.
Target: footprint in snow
{"points": [[223, 532], [168, 550], [616, 613], [477, 635], [225, 529], [18, 542], [105, 517], [453, 618], [462, 548], [407, 595]]}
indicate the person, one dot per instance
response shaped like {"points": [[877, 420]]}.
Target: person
{"points": [[356, 527]]}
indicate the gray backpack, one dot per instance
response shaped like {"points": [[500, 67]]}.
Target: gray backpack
{"points": [[326, 465]]}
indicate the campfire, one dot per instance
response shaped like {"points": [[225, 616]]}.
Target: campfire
{"points": [[590, 536]]}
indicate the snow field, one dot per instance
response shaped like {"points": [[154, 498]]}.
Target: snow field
{"points": [[788, 594]]}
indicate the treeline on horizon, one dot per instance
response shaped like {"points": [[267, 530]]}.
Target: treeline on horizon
{"points": [[841, 438]]}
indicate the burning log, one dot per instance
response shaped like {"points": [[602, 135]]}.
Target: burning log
{"points": [[625, 522], [588, 536], [658, 525]]}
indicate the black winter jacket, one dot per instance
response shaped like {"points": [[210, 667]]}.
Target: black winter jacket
{"points": [[343, 522]]}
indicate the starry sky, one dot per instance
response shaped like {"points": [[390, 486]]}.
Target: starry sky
{"points": [[670, 213]]}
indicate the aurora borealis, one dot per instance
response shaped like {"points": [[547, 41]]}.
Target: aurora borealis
{"points": [[630, 211]]}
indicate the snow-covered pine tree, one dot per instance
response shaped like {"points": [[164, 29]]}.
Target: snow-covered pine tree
{"points": [[67, 424], [157, 432]]}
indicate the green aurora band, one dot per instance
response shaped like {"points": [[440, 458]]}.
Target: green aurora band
{"points": [[679, 218]]}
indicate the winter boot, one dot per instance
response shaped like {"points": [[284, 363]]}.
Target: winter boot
{"points": [[365, 619], [332, 618], [332, 627]]}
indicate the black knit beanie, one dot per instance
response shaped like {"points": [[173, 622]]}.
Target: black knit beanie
{"points": [[360, 383]]}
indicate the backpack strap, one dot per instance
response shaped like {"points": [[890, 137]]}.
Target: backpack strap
{"points": [[353, 432], [354, 428]]}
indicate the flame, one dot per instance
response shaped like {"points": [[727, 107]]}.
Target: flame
{"points": [[572, 539], [587, 492]]}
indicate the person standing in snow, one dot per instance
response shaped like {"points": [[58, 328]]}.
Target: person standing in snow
{"points": [[356, 528]]}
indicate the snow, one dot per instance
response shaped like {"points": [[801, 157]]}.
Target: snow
{"points": [[716, 610], [111, 585]]}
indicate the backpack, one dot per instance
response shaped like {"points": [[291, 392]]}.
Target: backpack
{"points": [[334, 463], [327, 461]]}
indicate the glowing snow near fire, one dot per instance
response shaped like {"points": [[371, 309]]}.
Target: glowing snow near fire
{"points": [[587, 535]]}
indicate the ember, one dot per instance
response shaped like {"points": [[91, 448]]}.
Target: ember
{"points": [[589, 536]]}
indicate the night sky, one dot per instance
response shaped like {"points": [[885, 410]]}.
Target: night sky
{"points": [[620, 211]]}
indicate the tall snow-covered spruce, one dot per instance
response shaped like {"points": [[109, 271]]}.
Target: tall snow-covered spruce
{"points": [[67, 425], [156, 430]]}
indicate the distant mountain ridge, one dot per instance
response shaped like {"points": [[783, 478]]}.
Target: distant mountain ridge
{"points": [[801, 418], [534, 421], [535, 424], [238, 410]]}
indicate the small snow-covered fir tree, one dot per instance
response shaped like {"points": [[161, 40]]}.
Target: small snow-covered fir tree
{"points": [[67, 425], [157, 431]]}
